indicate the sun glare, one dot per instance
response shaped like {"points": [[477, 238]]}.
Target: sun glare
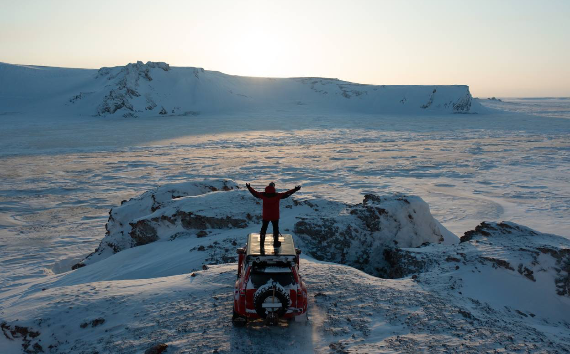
{"points": [[258, 52]]}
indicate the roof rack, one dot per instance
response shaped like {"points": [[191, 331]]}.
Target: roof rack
{"points": [[254, 248]]}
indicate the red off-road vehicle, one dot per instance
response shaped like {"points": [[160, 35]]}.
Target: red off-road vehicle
{"points": [[269, 285]]}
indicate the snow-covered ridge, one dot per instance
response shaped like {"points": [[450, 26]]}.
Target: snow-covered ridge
{"points": [[518, 251], [503, 286], [157, 89], [380, 236], [349, 234]]}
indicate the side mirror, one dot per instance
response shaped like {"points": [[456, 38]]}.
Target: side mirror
{"points": [[297, 251], [240, 251]]}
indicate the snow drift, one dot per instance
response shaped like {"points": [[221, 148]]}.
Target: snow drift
{"points": [[157, 89]]}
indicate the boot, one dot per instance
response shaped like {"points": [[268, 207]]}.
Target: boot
{"points": [[276, 242]]}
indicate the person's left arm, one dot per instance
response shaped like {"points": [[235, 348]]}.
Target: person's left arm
{"points": [[289, 193]]}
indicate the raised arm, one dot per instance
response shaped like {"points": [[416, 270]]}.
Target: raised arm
{"points": [[253, 191], [289, 192]]}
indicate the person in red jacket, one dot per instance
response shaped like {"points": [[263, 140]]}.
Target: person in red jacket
{"points": [[271, 209]]}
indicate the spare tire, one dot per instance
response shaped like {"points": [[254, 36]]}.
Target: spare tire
{"points": [[266, 292]]}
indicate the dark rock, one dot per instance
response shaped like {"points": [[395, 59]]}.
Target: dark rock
{"points": [[94, 323], [526, 272], [351, 238], [466, 314], [113, 247], [179, 235], [400, 263], [77, 266], [199, 222], [562, 257], [156, 349], [113, 102], [479, 230], [143, 232], [97, 322], [463, 105], [498, 263], [201, 233], [25, 334]]}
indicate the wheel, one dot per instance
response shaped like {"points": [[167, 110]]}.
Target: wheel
{"points": [[238, 320], [302, 318], [268, 295]]}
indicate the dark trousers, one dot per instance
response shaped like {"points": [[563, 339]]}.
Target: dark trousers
{"points": [[264, 226]]}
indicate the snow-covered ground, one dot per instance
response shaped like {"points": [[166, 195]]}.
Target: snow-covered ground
{"points": [[61, 174]]}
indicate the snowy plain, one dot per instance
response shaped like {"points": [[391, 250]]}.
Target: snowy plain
{"points": [[61, 174]]}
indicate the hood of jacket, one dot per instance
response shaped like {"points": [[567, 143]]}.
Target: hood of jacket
{"points": [[270, 190]]}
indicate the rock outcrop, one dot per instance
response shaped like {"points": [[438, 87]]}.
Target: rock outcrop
{"points": [[160, 214], [362, 235], [507, 247], [356, 235], [125, 83]]}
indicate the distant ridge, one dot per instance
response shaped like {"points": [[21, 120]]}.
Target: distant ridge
{"points": [[157, 89]]}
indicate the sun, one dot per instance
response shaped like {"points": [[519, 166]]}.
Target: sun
{"points": [[259, 52]]}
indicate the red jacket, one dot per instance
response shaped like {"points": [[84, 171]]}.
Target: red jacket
{"points": [[270, 201]]}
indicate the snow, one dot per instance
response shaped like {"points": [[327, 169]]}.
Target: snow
{"points": [[469, 293], [348, 232], [156, 89], [555, 107], [348, 309], [63, 169]]}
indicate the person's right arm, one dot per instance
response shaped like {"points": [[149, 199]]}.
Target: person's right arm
{"points": [[253, 191]]}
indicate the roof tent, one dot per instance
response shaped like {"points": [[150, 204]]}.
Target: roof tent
{"points": [[254, 248]]}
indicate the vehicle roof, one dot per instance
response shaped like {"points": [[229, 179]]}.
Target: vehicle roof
{"points": [[287, 247]]}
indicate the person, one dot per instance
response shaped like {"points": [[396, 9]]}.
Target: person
{"points": [[271, 209]]}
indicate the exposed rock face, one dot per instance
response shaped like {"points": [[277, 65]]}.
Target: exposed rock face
{"points": [[400, 263], [463, 105], [156, 349], [93, 323], [142, 232], [533, 244], [363, 235], [145, 231], [28, 337], [504, 246], [199, 222], [160, 214], [369, 236], [126, 81]]}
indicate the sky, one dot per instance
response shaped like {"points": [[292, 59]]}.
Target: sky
{"points": [[499, 48]]}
